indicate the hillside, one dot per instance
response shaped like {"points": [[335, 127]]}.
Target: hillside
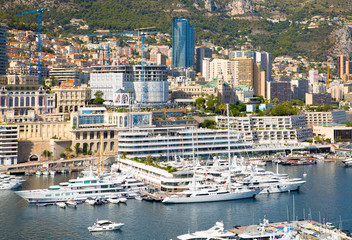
{"points": [[278, 26]]}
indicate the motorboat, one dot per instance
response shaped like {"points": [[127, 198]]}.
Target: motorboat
{"points": [[38, 173], [122, 199], [347, 162], [138, 197], [113, 200], [99, 201], [52, 172], [215, 232], [71, 203], [61, 204], [90, 201], [105, 225]]}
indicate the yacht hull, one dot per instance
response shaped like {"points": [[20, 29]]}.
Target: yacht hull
{"points": [[212, 198]]}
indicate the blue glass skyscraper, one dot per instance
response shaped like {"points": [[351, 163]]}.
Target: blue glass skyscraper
{"points": [[182, 43]]}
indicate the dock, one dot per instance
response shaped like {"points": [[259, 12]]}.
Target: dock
{"points": [[305, 229]]}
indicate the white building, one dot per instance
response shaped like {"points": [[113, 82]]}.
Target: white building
{"points": [[109, 79], [325, 117], [281, 129], [182, 141], [8, 144]]}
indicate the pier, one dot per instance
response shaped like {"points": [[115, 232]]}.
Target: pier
{"points": [[71, 165]]}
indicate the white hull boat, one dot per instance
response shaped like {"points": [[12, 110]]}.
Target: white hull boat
{"points": [[61, 204], [216, 232], [122, 200], [71, 203], [211, 195], [105, 225]]}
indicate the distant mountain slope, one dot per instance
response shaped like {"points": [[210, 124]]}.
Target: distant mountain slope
{"points": [[224, 22]]}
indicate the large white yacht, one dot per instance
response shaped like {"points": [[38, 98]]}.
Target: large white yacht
{"points": [[215, 232], [8, 182], [78, 189], [211, 195]]}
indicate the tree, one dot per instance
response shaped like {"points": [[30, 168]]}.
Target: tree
{"points": [[46, 153], [98, 98], [148, 160], [77, 148], [85, 148], [62, 155], [275, 101], [68, 149], [200, 102]]}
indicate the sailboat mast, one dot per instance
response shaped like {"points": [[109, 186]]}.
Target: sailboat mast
{"points": [[228, 146]]}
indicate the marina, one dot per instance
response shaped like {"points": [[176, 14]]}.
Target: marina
{"points": [[141, 218]]}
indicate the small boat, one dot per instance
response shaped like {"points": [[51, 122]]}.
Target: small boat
{"points": [[122, 199], [46, 173], [71, 203], [105, 225], [148, 198], [52, 172], [90, 201], [138, 197], [216, 232], [38, 173], [99, 201], [61, 204], [113, 200]]}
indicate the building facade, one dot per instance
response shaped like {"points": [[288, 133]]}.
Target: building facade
{"points": [[283, 129], [182, 43], [3, 49], [21, 101], [325, 117], [201, 53], [318, 99], [70, 99], [155, 87], [8, 144]]}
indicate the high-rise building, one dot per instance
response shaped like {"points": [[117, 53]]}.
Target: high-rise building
{"points": [[182, 43], [341, 67], [201, 53], [280, 90], [3, 49]]}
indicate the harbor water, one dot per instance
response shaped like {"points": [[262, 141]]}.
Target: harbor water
{"points": [[327, 195]]}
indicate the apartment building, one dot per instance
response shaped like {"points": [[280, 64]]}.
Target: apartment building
{"points": [[271, 129], [8, 144], [325, 117]]}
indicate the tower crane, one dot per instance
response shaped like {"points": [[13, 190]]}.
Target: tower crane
{"points": [[39, 11]]}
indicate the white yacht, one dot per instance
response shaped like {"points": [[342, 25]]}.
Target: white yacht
{"points": [[105, 225], [216, 232], [272, 184], [211, 195], [8, 182], [347, 162], [78, 189]]}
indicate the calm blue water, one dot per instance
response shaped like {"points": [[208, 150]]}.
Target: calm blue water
{"points": [[327, 191]]}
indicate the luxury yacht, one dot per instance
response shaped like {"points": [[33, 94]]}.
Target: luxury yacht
{"points": [[8, 182], [216, 232], [78, 189]]}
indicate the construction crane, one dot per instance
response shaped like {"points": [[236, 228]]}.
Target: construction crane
{"points": [[328, 73], [39, 11], [140, 33]]}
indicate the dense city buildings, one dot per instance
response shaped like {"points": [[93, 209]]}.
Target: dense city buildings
{"points": [[182, 43], [280, 90]]}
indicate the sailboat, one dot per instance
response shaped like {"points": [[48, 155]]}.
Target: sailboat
{"points": [[212, 193]]}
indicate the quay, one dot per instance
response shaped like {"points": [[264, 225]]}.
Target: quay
{"points": [[72, 165], [305, 229]]}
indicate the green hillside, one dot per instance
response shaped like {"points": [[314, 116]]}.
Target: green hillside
{"points": [[218, 26]]}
